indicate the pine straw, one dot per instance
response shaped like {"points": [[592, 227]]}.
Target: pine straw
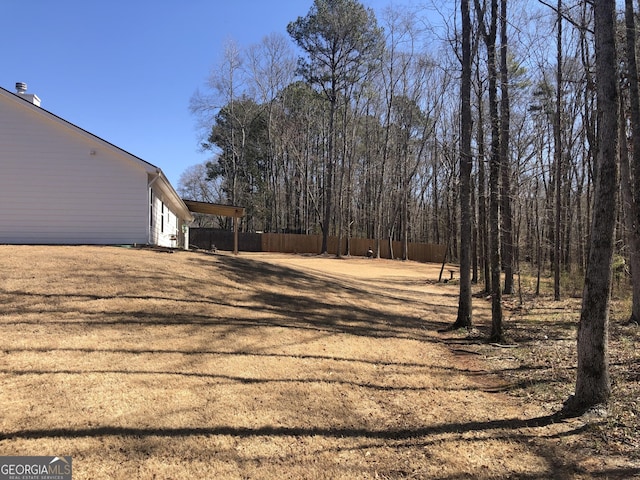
{"points": [[142, 364]]}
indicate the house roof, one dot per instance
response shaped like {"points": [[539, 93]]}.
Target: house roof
{"points": [[151, 169]]}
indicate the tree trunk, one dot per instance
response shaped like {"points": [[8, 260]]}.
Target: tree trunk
{"points": [[482, 206], [539, 237], [474, 235], [632, 212], [328, 180], [483, 228], [629, 210], [558, 159], [464, 319], [507, 216], [497, 333], [593, 384], [404, 208]]}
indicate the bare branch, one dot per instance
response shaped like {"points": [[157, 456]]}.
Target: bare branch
{"points": [[567, 17]]}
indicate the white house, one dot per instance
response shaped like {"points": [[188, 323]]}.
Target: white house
{"points": [[60, 184]]}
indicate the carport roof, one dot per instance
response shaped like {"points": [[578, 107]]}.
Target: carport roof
{"points": [[214, 209]]}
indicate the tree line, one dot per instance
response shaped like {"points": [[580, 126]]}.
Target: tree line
{"points": [[509, 131]]}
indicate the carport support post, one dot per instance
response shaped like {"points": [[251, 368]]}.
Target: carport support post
{"points": [[235, 235]]}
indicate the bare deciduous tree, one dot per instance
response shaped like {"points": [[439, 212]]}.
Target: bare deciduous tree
{"points": [[593, 384], [464, 318]]}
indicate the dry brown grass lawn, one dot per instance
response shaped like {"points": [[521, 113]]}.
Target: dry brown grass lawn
{"points": [[143, 364]]}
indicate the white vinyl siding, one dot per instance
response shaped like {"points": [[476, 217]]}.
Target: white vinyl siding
{"points": [[164, 226], [59, 186]]}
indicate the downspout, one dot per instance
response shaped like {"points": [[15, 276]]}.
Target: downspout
{"points": [[149, 220]]}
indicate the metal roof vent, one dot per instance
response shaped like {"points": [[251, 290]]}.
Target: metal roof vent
{"points": [[21, 90]]}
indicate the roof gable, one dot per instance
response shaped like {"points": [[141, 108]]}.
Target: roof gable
{"points": [[55, 118], [153, 171]]}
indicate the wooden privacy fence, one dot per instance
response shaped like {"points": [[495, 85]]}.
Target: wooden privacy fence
{"points": [[291, 243], [207, 238]]}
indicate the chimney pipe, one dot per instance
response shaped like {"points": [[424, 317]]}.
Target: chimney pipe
{"points": [[21, 90]]}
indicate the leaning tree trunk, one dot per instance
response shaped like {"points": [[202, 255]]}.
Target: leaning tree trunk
{"points": [[593, 384]]}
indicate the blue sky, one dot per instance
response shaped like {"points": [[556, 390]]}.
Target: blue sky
{"points": [[125, 69]]}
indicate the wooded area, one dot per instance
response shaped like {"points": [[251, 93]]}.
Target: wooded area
{"points": [[396, 134], [489, 126]]}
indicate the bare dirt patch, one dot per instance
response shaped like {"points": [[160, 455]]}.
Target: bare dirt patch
{"points": [[142, 364]]}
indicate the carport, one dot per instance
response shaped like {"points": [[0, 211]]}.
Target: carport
{"points": [[219, 210]]}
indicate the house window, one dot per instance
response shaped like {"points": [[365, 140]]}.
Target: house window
{"points": [[150, 208], [162, 217]]}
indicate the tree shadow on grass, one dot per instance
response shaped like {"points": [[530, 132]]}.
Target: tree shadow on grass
{"points": [[273, 431], [411, 438], [228, 379], [228, 353], [321, 303], [310, 304], [301, 313], [509, 430]]}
